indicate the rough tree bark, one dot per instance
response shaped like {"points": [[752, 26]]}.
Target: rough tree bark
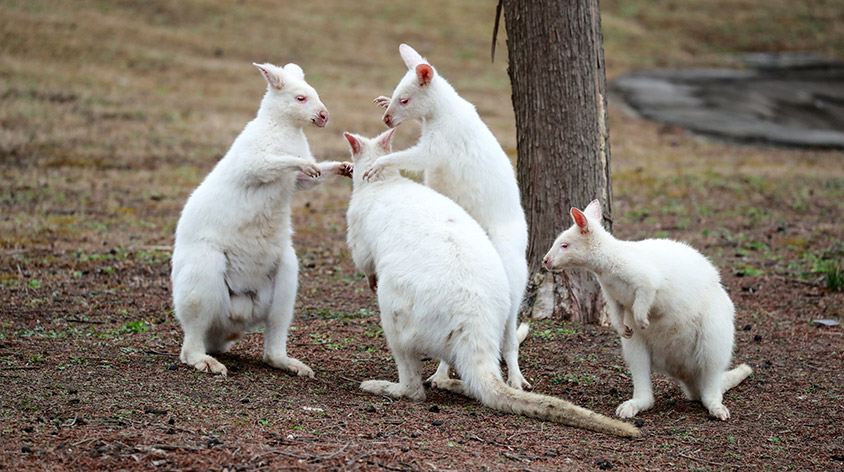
{"points": [[559, 96]]}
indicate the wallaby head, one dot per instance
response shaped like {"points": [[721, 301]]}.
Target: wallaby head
{"points": [[578, 245], [366, 150], [412, 97], [289, 97]]}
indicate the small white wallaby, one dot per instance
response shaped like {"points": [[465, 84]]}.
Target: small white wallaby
{"points": [[463, 160], [666, 301], [442, 291], [234, 266]]}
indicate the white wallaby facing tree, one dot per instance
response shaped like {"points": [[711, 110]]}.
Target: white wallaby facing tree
{"points": [[559, 96]]}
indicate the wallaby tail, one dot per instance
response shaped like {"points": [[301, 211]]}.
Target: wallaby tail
{"points": [[522, 332], [494, 393], [735, 376]]}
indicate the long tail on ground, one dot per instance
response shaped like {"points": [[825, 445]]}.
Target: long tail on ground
{"points": [[522, 332], [735, 376], [482, 383]]}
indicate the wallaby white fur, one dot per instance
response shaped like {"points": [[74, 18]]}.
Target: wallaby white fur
{"points": [[666, 301], [462, 160], [442, 291], [234, 267]]}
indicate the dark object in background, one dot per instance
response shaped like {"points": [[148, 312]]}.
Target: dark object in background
{"points": [[783, 99]]}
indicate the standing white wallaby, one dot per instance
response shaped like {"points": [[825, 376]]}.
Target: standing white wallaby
{"points": [[234, 266], [442, 291], [666, 301], [462, 160]]}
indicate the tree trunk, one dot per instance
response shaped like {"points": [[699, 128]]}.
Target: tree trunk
{"points": [[559, 96]]}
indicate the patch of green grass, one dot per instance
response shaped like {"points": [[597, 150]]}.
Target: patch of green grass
{"points": [[342, 315], [577, 379], [134, 327], [552, 333], [832, 273], [327, 342], [748, 271], [34, 283], [374, 332]]}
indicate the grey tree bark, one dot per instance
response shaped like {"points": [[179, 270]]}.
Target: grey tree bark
{"points": [[556, 68]]}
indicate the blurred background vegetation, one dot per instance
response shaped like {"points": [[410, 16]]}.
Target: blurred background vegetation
{"points": [[112, 111]]}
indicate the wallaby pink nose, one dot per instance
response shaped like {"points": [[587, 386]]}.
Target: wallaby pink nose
{"points": [[546, 262], [388, 120], [324, 115]]}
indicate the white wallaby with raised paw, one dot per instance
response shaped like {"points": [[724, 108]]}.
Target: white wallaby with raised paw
{"points": [[666, 301], [442, 292], [463, 160], [234, 267]]}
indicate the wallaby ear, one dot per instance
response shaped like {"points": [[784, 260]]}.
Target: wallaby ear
{"points": [[409, 55], [580, 220], [594, 211], [294, 70], [385, 139], [354, 143], [272, 77], [425, 73]]}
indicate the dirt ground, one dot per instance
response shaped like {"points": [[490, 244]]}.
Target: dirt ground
{"points": [[111, 114]]}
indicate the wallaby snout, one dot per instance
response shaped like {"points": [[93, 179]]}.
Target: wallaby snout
{"points": [[321, 118]]}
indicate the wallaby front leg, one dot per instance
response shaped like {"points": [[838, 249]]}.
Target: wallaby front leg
{"points": [[617, 319], [272, 168], [326, 170], [644, 299], [408, 159], [638, 360]]}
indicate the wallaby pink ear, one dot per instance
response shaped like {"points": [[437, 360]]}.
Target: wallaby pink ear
{"points": [[409, 55], [271, 76], [594, 211], [580, 220], [385, 139], [354, 143], [425, 73]]}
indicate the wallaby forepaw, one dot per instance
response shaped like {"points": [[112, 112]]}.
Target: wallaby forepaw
{"points": [[720, 411], [631, 408], [643, 323], [346, 169], [211, 365], [627, 333], [310, 169], [290, 364], [382, 101], [373, 172]]}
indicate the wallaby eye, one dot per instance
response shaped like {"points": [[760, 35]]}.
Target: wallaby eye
{"points": [[301, 98], [404, 101], [564, 245]]}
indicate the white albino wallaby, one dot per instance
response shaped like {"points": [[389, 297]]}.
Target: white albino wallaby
{"points": [[462, 160], [234, 266], [442, 291], [666, 301]]}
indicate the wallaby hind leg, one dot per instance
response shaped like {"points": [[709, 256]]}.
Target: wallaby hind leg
{"points": [[281, 315], [410, 379], [711, 394], [639, 362], [201, 300], [510, 350]]}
